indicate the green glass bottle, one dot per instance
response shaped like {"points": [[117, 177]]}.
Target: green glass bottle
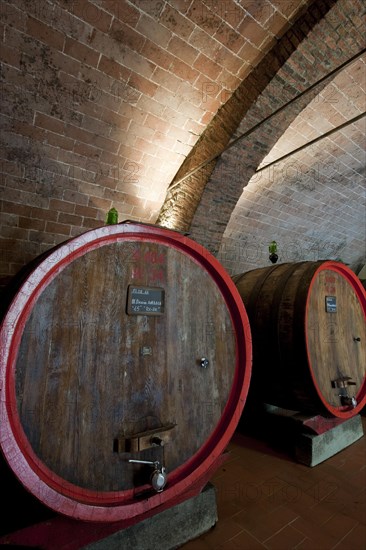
{"points": [[273, 252], [273, 247], [112, 217]]}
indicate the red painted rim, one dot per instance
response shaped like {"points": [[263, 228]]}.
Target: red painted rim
{"points": [[341, 269], [48, 487]]}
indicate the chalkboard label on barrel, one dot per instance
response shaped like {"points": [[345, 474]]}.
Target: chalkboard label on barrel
{"points": [[330, 304], [142, 300]]}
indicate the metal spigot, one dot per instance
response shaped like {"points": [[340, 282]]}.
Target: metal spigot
{"points": [[342, 383], [157, 441], [159, 476], [348, 401], [204, 362]]}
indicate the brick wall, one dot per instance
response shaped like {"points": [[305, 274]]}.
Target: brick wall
{"points": [[184, 197], [230, 223], [102, 100]]}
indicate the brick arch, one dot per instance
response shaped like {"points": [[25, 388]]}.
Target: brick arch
{"points": [[308, 192], [320, 41], [103, 101]]}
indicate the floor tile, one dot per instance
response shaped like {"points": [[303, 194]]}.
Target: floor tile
{"points": [[354, 540], [264, 525], [285, 539], [268, 501], [222, 532], [241, 541]]}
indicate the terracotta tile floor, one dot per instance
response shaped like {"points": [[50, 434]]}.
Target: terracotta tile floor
{"points": [[266, 500]]}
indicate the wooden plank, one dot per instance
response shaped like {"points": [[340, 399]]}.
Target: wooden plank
{"points": [[81, 355], [333, 345]]}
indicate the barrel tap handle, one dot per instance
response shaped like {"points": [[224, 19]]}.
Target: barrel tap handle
{"points": [[158, 477], [348, 401]]}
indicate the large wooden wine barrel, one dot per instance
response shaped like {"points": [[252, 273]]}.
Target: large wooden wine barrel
{"points": [[129, 342], [309, 338]]}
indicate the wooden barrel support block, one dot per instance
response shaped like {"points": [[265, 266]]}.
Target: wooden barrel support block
{"points": [[129, 342], [308, 323]]}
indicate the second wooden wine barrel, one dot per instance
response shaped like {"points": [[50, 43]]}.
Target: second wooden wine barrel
{"points": [[309, 336], [126, 359]]}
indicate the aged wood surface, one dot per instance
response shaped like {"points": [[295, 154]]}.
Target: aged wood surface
{"points": [[334, 349], [83, 380], [298, 347]]}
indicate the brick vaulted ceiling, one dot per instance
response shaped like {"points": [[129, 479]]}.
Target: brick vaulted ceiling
{"points": [[116, 103]]}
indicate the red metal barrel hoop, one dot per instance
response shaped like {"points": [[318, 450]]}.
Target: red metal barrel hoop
{"points": [[49, 487]]}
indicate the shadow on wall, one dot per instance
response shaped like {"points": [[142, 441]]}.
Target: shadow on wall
{"points": [[56, 202]]}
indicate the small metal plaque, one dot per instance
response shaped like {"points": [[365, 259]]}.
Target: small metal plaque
{"points": [[330, 304], [142, 300]]}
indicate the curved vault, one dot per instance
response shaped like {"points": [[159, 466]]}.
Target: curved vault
{"points": [[312, 194]]}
